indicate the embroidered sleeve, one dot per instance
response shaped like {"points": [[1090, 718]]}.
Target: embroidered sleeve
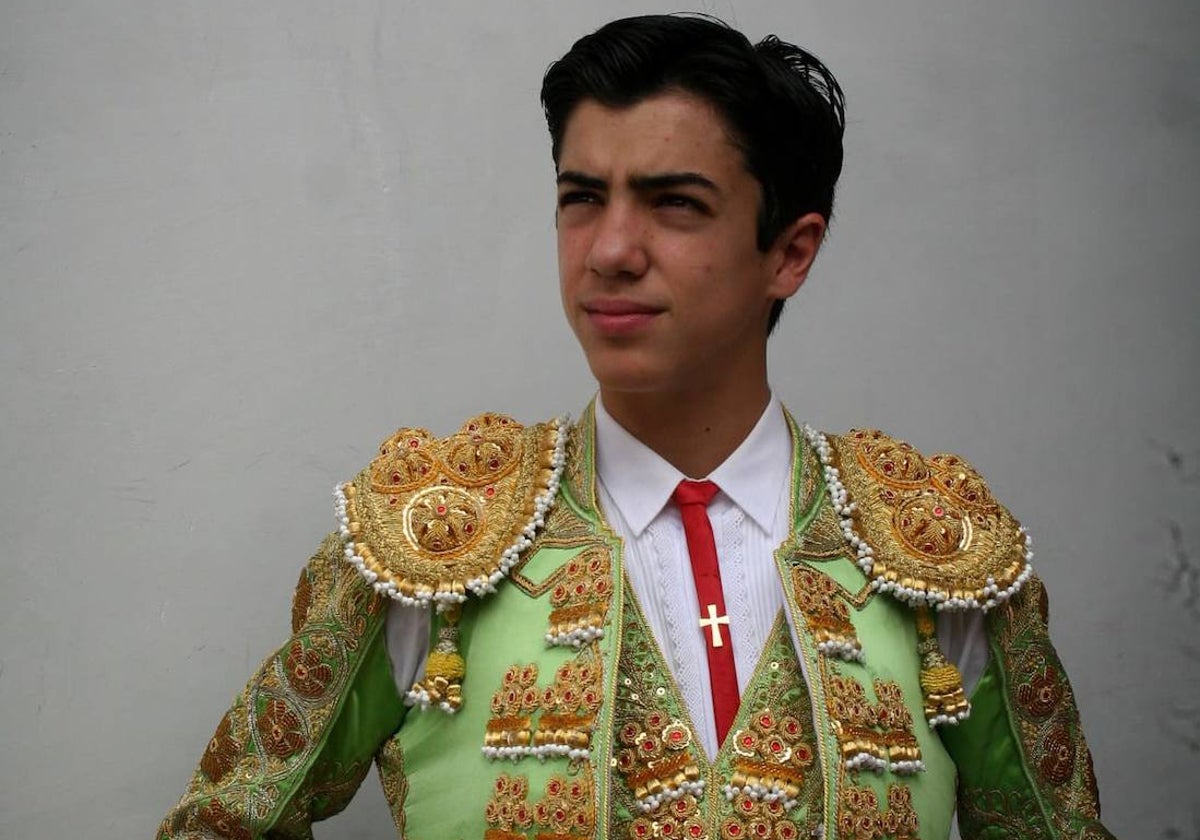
{"points": [[285, 755], [1024, 767]]}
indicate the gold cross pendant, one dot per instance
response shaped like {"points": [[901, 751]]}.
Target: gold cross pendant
{"points": [[713, 625]]}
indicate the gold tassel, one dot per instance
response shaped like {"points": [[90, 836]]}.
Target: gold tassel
{"points": [[941, 682], [444, 669]]}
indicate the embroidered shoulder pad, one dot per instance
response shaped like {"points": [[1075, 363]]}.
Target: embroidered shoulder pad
{"points": [[432, 519], [927, 530]]}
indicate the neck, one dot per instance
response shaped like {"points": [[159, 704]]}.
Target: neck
{"points": [[694, 431]]}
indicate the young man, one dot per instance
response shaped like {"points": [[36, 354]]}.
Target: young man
{"points": [[682, 616]]}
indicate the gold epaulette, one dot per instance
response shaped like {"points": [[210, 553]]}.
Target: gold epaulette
{"points": [[926, 530], [430, 520]]}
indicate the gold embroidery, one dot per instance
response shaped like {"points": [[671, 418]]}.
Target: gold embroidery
{"points": [[823, 539], [859, 817], [876, 736], [579, 473], [569, 708], [430, 519], [1048, 721], [1055, 755], [280, 728], [443, 520], [934, 530], [510, 729], [390, 762], [656, 760], [222, 753], [301, 601], [565, 810], [565, 529], [580, 599], [772, 757], [507, 812], [760, 784], [278, 720], [307, 672], [828, 617], [222, 822]]}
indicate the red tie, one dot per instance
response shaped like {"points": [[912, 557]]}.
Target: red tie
{"points": [[693, 497]]}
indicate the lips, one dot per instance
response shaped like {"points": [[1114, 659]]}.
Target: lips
{"points": [[616, 316]]}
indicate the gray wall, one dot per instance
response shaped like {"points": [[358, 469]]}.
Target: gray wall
{"points": [[242, 242]]}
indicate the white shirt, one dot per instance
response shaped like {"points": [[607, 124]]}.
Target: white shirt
{"points": [[750, 519]]}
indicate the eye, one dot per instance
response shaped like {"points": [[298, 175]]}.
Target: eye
{"points": [[681, 201], [578, 197]]}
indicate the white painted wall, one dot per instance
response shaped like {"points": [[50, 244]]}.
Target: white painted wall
{"points": [[242, 242]]}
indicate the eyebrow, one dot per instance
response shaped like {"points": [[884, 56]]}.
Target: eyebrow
{"points": [[641, 183]]}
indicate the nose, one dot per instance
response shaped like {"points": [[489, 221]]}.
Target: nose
{"points": [[618, 247]]}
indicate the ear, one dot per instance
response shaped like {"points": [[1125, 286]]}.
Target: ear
{"points": [[793, 253]]}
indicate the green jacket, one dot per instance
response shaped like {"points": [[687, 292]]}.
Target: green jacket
{"points": [[546, 711]]}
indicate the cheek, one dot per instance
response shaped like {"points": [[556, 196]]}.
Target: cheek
{"points": [[572, 251]]}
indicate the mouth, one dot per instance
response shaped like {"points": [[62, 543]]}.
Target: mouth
{"points": [[617, 317]]}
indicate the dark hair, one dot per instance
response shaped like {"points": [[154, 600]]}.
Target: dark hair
{"points": [[782, 106]]}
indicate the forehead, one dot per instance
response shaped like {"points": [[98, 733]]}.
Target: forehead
{"points": [[666, 132]]}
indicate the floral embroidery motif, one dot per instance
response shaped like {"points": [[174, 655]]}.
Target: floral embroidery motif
{"points": [[859, 817], [580, 599], [1041, 693], [566, 808], [222, 822], [772, 758], [1004, 815], [564, 812], [307, 674], [755, 818], [828, 617], [443, 520], [281, 729], [656, 761], [510, 729], [875, 736], [678, 818], [507, 812], [567, 708], [487, 449], [1055, 756], [222, 753]]}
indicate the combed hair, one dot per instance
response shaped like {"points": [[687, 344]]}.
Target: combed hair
{"points": [[783, 108]]}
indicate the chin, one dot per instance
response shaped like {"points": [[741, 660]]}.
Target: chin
{"points": [[631, 378], [623, 376]]}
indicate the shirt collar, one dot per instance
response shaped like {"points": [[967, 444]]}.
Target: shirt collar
{"points": [[640, 481]]}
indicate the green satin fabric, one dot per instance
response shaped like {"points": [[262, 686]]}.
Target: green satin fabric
{"points": [[984, 746]]}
